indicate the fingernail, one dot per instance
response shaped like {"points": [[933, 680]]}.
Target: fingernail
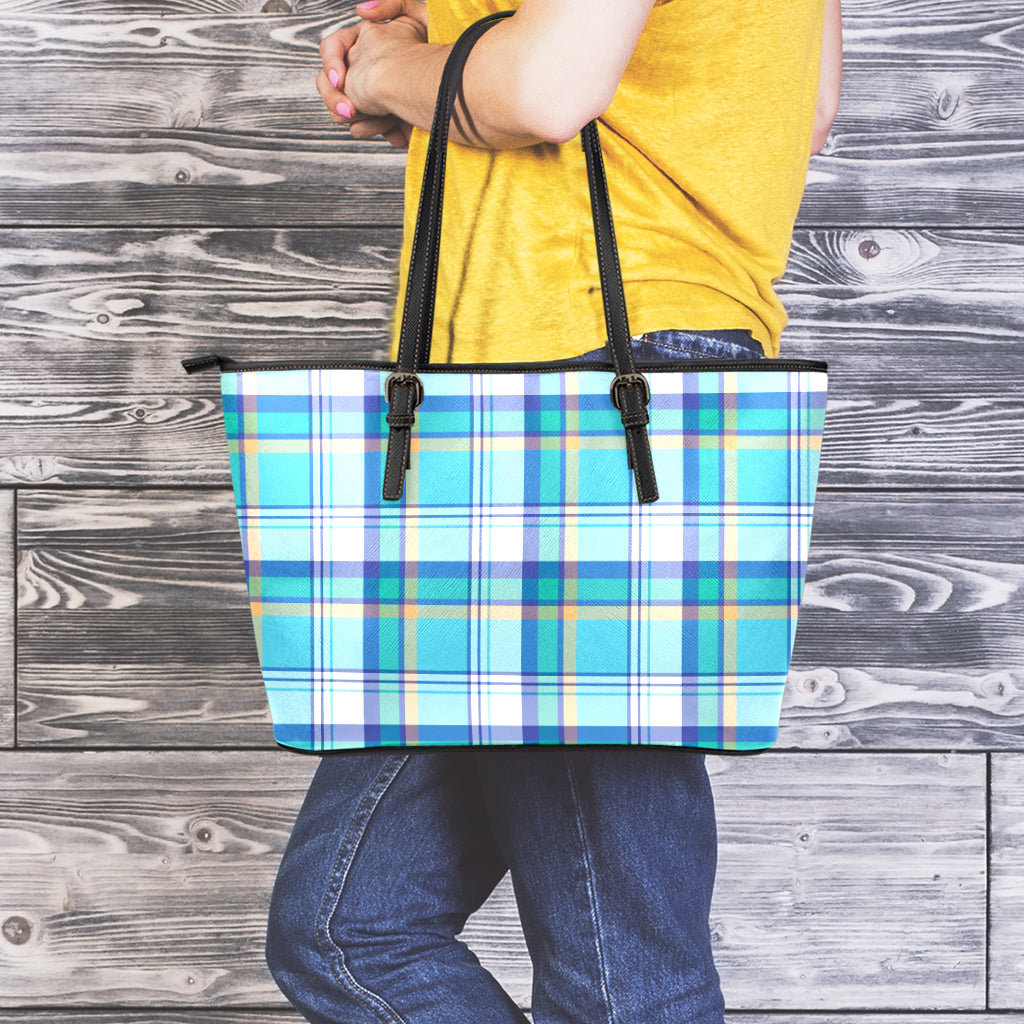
{"points": [[344, 109], [334, 78], [369, 5]]}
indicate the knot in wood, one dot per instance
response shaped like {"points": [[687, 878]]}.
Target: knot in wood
{"points": [[103, 318], [183, 177], [17, 930], [1000, 686], [946, 104], [277, 7], [204, 834], [868, 249]]}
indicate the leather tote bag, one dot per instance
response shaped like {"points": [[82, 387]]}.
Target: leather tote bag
{"points": [[545, 553]]}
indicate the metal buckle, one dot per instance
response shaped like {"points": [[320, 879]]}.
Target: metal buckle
{"points": [[629, 380], [401, 378]]}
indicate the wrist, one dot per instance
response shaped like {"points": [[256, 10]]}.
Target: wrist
{"points": [[407, 80]]}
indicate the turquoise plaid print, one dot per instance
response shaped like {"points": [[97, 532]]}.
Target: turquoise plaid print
{"points": [[519, 593]]}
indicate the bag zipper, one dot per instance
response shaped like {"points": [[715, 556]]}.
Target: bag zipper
{"points": [[225, 365]]}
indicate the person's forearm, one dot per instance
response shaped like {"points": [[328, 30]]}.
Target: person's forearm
{"points": [[830, 75], [537, 77], [406, 81]]}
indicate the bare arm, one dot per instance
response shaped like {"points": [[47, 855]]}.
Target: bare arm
{"points": [[830, 75], [537, 77]]}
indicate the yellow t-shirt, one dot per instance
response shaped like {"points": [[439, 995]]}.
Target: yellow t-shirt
{"points": [[706, 145]]}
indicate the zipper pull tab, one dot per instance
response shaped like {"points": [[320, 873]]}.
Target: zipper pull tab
{"points": [[200, 363]]}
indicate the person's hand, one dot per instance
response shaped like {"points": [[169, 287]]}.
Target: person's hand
{"points": [[350, 83]]}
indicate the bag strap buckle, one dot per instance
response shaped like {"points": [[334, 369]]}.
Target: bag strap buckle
{"points": [[400, 420], [629, 380], [402, 379]]}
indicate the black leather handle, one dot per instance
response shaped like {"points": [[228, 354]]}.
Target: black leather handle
{"points": [[421, 284], [630, 392]]}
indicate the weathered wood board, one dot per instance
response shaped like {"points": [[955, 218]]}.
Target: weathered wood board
{"points": [[138, 300], [202, 1015], [142, 879], [210, 117], [872, 17], [911, 631], [194, 178], [943, 85], [110, 314], [1006, 897], [164, 8], [889, 849], [94, 394], [134, 606], [7, 613], [911, 634]]}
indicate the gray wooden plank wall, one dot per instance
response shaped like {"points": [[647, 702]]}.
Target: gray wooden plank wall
{"points": [[168, 186]]}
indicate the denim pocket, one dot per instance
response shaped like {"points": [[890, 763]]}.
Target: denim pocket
{"points": [[680, 344]]}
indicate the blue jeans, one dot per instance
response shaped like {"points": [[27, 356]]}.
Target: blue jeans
{"points": [[612, 853], [677, 344]]}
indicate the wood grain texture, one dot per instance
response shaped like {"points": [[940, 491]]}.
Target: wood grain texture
{"points": [[210, 117], [110, 313], [134, 612], [869, 18], [833, 1017], [139, 300], [164, 8], [195, 178], [7, 574], [93, 393], [1006, 900], [200, 1015], [250, 74], [189, 8], [911, 633], [143, 879], [103, 322], [855, 840]]}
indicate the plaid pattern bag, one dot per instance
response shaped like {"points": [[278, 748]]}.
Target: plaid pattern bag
{"points": [[458, 554]]}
